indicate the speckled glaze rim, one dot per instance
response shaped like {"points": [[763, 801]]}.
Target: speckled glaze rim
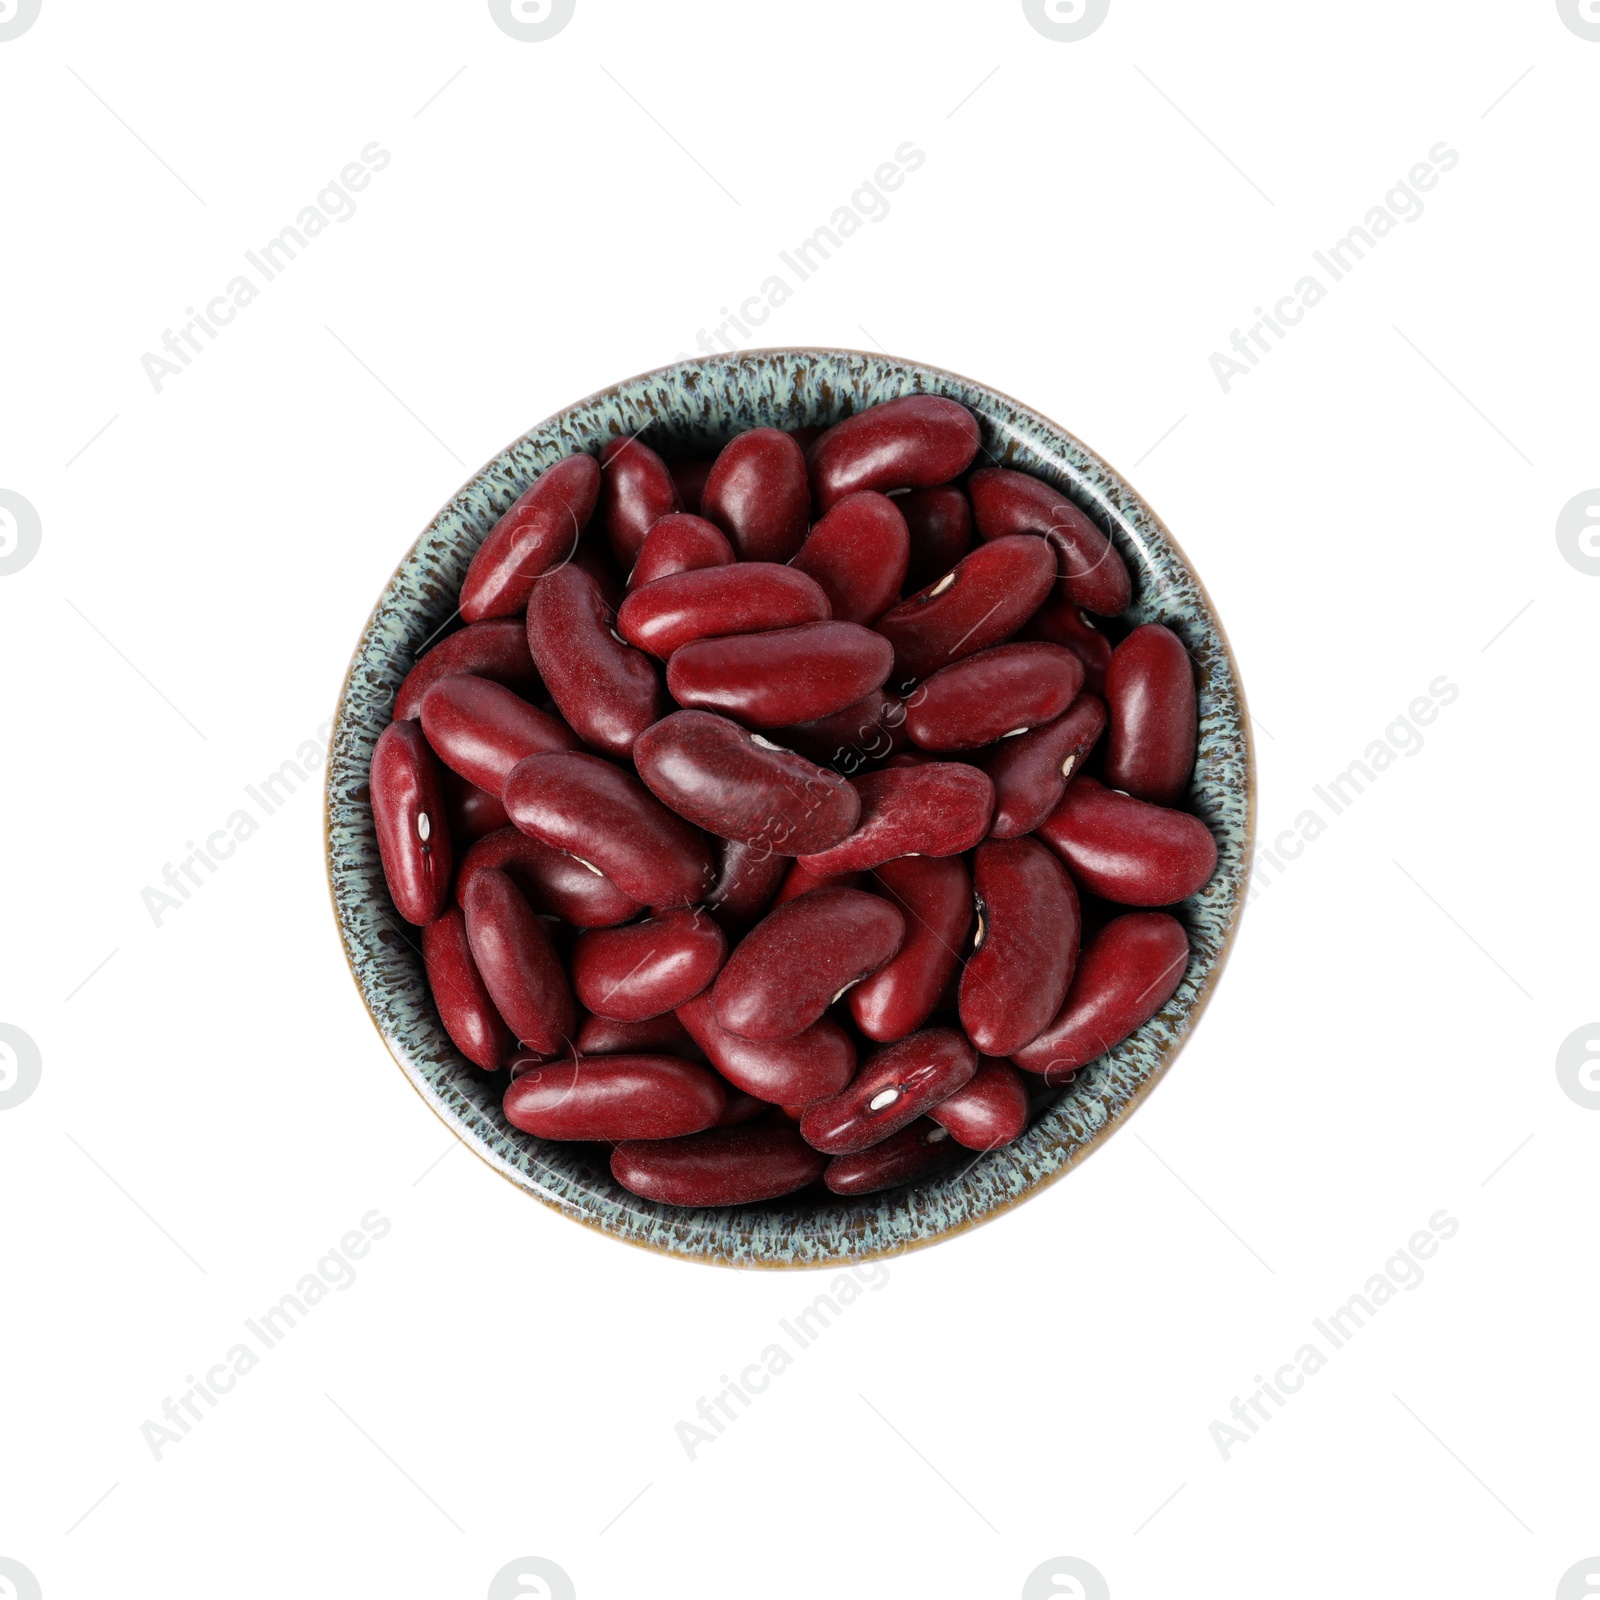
{"points": [[693, 406]]}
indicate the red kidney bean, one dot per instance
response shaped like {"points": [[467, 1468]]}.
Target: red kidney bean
{"points": [[893, 1087], [939, 522], [1005, 503], [678, 543], [858, 553], [740, 786], [519, 965], [465, 1009], [590, 809], [750, 597], [473, 812], [593, 556], [794, 1071], [983, 598], [1126, 974], [636, 491], [723, 1167], [408, 815], [560, 884], [916, 1152], [770, 680], [872, 728], [608, 691], [748, 876], [1059, 621], [938, 808], [1127, 850], [805, 437], [614, 1097], [647, 968], [689, 477], [934, 895], [497, 650], [910, 443], [997, 694], [481, 730], [1031, 773], [800, 957], [539, 531], [1150, 692], [757, 494], [655, 1036], [740, 1108], [990, 1111], [797, 881], [1027, 945]]}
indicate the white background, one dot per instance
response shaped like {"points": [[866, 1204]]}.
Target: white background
{"points": [[1373, 507]]}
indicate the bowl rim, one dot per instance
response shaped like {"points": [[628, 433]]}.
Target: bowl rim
{"points": [[1083, 1147]]}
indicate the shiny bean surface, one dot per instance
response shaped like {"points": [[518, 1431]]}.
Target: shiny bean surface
{"points": [[518, 964], [1060, 621], [769, 680], [465, 1008], [740, 786], [614, 1097], [936, 808], [647, 968], [609, 692], [910, 443], [858, 554], [473, 812], [1026, 944], [560, 884], [999, 693], [408, 814], [894, 1086], [1005, 503], [939, 523], [934, 895], [798, 959], [539, 531], [1031, 773], [1126, 974], [810, 1066], [748, 876], [758, 495], [497, 650], [749, 597], [1151, 696], [984, 598], [990, 1110], [1126, 850], [636, 491], [678, 543], [481, 730], [655, 1036], [918, 1151], [797, 881], [590, 809], [722, 1167], [869, 730]]}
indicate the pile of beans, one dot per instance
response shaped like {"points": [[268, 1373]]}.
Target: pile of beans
{"points": [[822, 844]]}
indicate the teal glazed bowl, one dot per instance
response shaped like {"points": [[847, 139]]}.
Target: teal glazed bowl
{"points": [[693, 408]]}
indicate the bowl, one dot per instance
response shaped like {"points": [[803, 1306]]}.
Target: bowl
{"points": [[693, 407]]}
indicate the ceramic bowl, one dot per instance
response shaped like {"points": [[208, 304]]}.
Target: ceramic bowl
{"points": [[693, 408]]}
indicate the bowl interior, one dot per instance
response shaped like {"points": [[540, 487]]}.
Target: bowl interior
{"points": [[693, 408]]}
